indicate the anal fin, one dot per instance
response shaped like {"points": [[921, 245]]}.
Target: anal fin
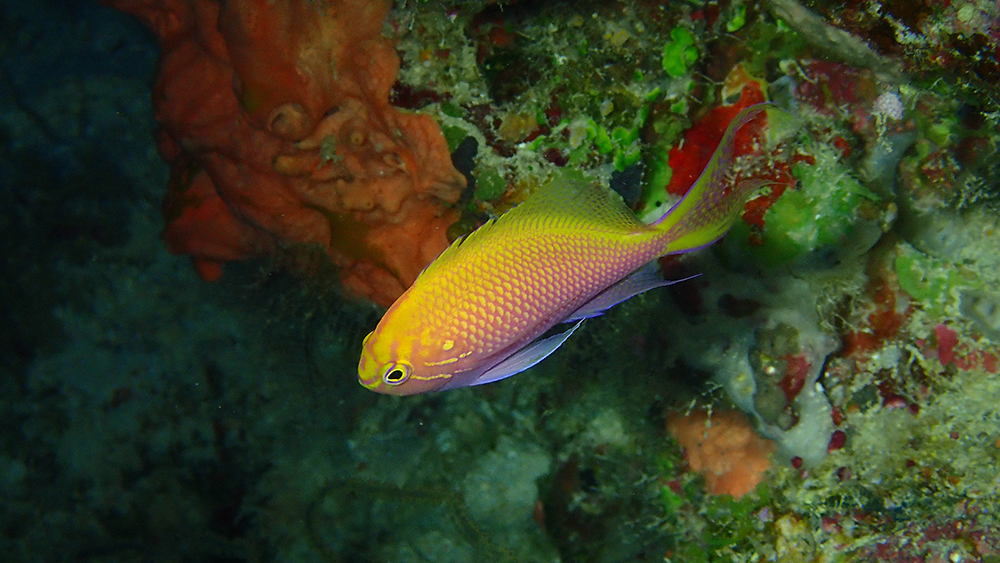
{"points": [[642, 280]]}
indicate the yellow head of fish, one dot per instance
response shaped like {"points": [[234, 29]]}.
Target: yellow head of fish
{"points": [[398, 357]]}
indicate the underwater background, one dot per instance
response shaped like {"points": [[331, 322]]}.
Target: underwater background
{"points": [[207, 205]]}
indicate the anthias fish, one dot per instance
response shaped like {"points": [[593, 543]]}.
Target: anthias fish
{"points": [[478, 313]]}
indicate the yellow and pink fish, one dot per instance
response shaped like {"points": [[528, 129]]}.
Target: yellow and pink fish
{"points": [[477, 314]]}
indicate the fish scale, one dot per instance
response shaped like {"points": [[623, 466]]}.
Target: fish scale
{"points": [[480, 311]]}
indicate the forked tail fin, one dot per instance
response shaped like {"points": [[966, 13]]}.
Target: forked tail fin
{"points": [[708, 210]]}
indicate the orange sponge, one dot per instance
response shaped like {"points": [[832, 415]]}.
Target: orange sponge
{"points": [[724, 448], [276, 121]]}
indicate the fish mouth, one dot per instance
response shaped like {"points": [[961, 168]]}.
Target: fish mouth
{"points": [[371, 385], [371, 380]]}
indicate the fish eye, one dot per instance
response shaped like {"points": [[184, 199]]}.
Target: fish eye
{"points": [[395, 373]]}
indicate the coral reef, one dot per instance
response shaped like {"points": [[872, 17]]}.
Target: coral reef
{"points": [[277, 124], [853, 317]]}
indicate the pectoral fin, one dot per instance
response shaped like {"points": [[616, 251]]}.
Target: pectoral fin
{"points": [[639, 281], [525, 357]]}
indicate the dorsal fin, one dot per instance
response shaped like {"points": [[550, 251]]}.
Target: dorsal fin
{"points": [[567, 201], [570, 199]]}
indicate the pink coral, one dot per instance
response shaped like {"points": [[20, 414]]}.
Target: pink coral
{"points": [[276, 121]]}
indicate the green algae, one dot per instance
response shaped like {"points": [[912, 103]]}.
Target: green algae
{"points": [[924, 278], [454, 135], [737, 19], [822, 215], [680, 53], [706, 528], [768, 42], [490, 185], [935, 283]]}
